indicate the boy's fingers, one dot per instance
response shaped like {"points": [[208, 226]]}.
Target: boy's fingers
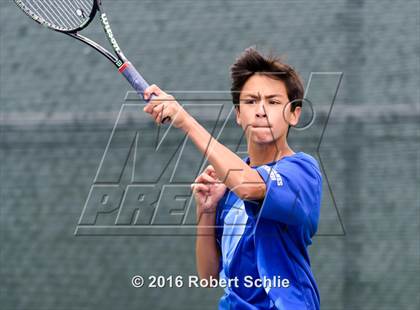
{"points": [[212, 172], [157, 110], [199, 179], [149, 108], [200, 188], [152, 89], [205, 178], [209, 169], [156, 94]]}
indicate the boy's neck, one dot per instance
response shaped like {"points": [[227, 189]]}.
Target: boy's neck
{"points": [[260, 154]]}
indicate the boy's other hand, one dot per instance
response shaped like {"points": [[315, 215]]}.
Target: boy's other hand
{"points": [[207, 190]]}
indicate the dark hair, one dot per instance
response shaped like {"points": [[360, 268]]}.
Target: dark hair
{"points": [[251, 62]]}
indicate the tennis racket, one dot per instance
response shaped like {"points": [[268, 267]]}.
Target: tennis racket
{"points": [[70, 17]]}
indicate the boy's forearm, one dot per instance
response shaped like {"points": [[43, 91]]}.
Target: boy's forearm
{"points": [[207, 254], [230, 168], [206, 223]]}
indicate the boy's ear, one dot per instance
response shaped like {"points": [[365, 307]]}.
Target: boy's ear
{"points": [[294, 116], [238, 120]]}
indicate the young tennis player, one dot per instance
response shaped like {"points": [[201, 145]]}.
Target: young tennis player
{"points": [[257, 215]]}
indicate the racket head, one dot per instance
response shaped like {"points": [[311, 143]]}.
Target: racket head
{"points": [[61, 15]]}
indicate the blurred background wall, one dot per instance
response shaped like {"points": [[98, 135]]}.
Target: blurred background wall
{"points": [[60, 101]]}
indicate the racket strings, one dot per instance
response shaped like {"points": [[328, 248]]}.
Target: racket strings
{"points": [[61, 14]]}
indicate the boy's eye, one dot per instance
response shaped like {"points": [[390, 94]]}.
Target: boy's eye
{"points": [[274, 102], [249, 101]]}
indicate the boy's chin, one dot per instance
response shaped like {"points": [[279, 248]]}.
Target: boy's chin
{"points": [[263, 141]]}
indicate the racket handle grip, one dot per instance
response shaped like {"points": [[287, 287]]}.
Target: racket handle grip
{"points": [[137, 82]]}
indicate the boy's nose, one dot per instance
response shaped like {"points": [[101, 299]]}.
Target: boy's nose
{"points": [[260, 110]]}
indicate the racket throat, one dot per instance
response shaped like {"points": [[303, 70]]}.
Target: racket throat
{"points": [[110, 35]]}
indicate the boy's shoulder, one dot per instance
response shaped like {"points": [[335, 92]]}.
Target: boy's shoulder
{"points": [[299, 158], [297, 166], [305, 158]]}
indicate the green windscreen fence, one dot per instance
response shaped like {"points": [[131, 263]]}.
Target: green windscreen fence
{"points": [[60, 101]]}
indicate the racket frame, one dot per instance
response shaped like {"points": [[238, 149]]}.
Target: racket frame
{"points": [[40, 20], [119, 60]]}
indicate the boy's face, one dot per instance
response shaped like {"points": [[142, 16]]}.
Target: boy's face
{"points": [[264, 110]]}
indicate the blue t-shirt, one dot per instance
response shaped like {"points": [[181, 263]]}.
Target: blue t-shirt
{"points": [[268, 239]]}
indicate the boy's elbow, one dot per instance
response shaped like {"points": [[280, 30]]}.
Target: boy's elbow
{"points": [[251, 191], [206, 279], [208, 272]]}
